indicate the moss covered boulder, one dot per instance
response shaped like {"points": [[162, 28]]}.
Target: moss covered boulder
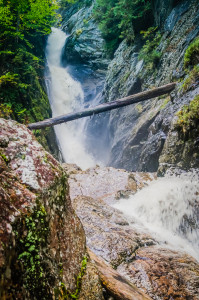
{"points": [[42, 242]]}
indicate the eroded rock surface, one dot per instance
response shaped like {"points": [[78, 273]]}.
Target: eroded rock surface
{"points": [[105, 183], [155, 269], [85, 44], [138, 134], [42, 242]]}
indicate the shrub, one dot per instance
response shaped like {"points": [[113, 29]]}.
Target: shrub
{"points": [[116, 18], [5, 110], [191, 80], [188, 116], [191, 57], [78, 32], [149, 53]]}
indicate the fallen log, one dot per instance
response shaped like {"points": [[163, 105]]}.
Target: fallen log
{"points": [[104, 107], [116, 285]]}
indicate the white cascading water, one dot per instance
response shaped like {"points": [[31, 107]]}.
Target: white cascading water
{"points": [[168, 208], [66, 95]]}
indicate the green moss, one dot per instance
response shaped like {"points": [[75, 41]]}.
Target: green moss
{"points": [[191, 57], [124, 78], [139, 108], [78, 32], [31, 235], [165, 102], [192, 78], [58, 193], [64, 293], [4, 157], [188, 116]]}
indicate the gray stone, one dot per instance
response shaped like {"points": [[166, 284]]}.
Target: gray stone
{"points": [[137, 134], [85, 43], [175, 15]]}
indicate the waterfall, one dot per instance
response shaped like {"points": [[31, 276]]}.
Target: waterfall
{"points": [[66, 95], [168, 208]]}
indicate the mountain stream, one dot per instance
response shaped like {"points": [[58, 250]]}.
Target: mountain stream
{"points": [[167, 207]]}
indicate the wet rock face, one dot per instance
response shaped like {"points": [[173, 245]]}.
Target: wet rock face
{"points": [[163, 274], [42, 242], [138, 133], [163, 8], [107, 184], [85, 43], [181, 150], [153, 268]]}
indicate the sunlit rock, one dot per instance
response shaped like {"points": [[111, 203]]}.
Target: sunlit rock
{"points": [[42, 242]]}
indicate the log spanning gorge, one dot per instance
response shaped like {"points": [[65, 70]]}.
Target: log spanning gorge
{"points": [[167, 207]]}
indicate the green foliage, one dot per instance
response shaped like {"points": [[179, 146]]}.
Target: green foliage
{"points": [[116, 19], [188, 117], [78, 32], [80, 3], [127, 11], [4, 157], [191, 57], [149, 52], [23, 26], [5, 110], [32, 237], [8, 78], [164, 104], [191, 79], [20, 17], [108, 23]]}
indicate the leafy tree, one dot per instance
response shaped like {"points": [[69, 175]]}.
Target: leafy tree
{"points": [[117, 19], [108, 22], [129, 11], [23, 27]]}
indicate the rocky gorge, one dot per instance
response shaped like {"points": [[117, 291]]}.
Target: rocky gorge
{"points": [[126, 225], [141, 137]]}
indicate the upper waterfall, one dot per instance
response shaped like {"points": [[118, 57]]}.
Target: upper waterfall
{"points": [[66, 95]]}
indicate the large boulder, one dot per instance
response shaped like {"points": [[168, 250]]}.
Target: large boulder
{"points": [[42, 241], [85, 43]]}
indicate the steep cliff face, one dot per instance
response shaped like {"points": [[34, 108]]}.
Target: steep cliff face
{"points": [[138, 133], [42, 242], [144, 136]]}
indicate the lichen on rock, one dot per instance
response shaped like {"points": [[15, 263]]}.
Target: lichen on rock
{"points": [[42, 242]]}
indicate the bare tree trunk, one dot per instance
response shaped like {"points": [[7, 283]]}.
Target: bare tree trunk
{"points": [[105, 107]]}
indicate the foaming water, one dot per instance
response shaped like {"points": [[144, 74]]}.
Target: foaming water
{"points": [[169, 208], [66, 95]]}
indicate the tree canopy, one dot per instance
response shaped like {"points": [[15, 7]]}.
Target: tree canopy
{"points": [[117, 18], [23, 24]]}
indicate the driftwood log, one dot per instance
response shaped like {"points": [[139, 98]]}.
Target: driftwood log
{"points": [[105, 107], [116, 285]]}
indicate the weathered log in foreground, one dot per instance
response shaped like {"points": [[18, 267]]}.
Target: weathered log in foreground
{"points": [[118, 286], [105, 107]]}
